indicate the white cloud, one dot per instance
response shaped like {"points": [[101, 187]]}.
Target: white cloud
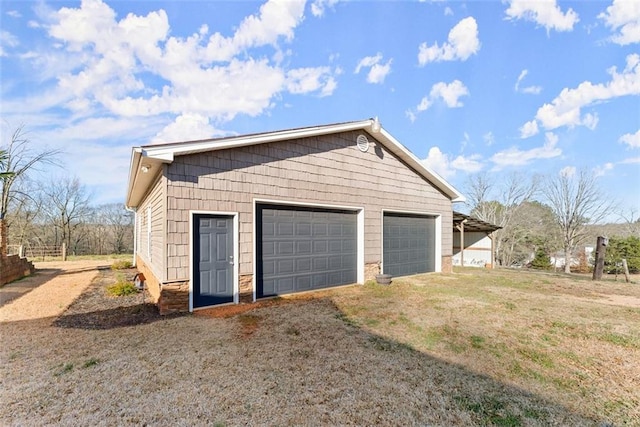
{"points": [[632, 140], [122, 60], [318, 7], [449, 93], [529, 129], [631, 161], [623, 17], [377, 71], [533, 90], [442, 164], [516, 157], [489, 139], [305, 80], [543, 12], [14, 14], [460, 45], [565, 109], [568, 171], [187, 127], [448, 11], [602, 170], [7, 39]]}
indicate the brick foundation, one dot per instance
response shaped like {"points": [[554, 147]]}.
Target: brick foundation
{"points": [[151, 282], [371, 270], [447, 264], [174, 298], [246, 288], [13, 267]]}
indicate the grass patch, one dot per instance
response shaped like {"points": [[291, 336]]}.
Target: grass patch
{"points": [[63, 369], [91, 362], [122, 264], [383, 344], [346, 320], [476, 341], [621, 340], [490, 411], [537, 357]]}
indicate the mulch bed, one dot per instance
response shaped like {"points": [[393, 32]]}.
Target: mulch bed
{"points": [[96, 309]]}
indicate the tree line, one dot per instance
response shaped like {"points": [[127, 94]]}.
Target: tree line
{"points": [[539, 216], [548, 216], [40, 214]]}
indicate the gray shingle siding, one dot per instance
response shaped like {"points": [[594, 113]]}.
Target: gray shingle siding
{"points": [[321, 170]]}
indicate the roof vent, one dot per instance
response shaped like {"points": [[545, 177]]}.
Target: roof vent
{"points": [[363, 143]]}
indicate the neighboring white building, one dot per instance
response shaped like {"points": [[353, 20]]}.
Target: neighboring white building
{"points": [[472, 241]]}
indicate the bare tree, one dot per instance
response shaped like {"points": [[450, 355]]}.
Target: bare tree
{"points": [[576, 201], [631, 222], [68, 209], [25, 214], [499, 204], [16, 159], [120, 222]]}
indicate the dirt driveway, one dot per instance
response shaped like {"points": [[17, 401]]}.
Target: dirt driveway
{"points": [[48, 292]]}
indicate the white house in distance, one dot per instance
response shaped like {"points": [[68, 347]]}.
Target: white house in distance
{"points": [[473, 244]]}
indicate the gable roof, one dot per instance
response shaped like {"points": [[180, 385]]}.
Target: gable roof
{"points": [[147, 160]]}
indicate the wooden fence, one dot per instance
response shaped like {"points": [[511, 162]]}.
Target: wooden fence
{"points": [[39, 253]]}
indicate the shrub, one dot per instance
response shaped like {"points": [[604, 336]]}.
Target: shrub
{"points": [[541, 260], [121, 288], [617, 249], [121, 264]]}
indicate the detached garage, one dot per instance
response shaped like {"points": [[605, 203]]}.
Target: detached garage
{"points": [[237, 219]]}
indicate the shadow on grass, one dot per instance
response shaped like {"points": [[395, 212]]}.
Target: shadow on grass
{"points": [[431, 381]]}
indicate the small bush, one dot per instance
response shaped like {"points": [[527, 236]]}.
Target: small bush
{"points": [[541, 260], [121, 289], [121, 264]]}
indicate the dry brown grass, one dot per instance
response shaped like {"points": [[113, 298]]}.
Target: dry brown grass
{"points": [[476, 347]]}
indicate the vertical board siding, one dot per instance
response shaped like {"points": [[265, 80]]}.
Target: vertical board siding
{"points": [[324, 170], [154, 254]]}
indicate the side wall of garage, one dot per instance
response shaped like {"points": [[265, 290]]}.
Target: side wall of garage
{"points": [[327, 170]]}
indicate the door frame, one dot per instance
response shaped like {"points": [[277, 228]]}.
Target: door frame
{"points": [[234, 216], [438, 234], [287, 203]]}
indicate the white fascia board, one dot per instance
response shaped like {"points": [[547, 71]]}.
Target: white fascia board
{"points": [[133, 173], [168, 151]]}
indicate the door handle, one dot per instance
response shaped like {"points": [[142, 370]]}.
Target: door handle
{"points": [[231, 259]]}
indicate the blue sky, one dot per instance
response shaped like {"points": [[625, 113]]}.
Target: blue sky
{"points": [[478, 86]]}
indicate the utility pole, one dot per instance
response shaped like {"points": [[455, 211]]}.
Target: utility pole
{"points": [[601, 251]]}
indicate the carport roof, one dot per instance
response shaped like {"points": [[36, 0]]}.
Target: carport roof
{"points": [[473, 224], [147, 160]]}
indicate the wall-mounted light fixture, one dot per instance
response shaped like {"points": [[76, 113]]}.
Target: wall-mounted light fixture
{"points": [[145, 168]]}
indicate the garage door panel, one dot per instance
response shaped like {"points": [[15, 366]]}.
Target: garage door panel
{"points": [[304, 249], [284, 248], [408, 244]]}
